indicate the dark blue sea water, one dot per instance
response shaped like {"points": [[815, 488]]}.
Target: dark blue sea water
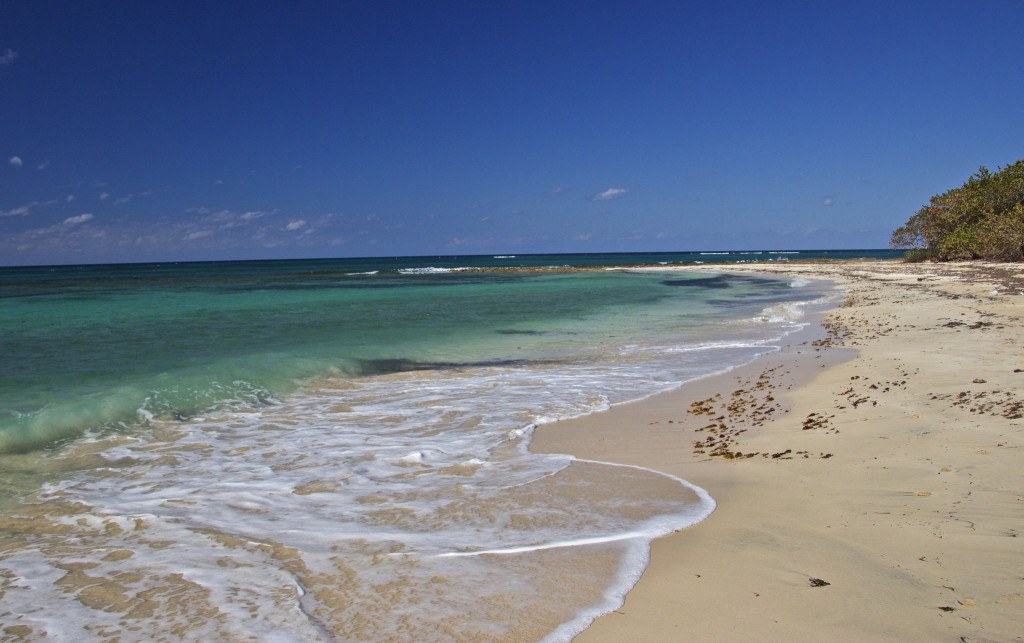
{"points": [[322, 448]]}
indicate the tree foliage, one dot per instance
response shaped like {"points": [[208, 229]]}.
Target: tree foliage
{"points": [[982, 219]]}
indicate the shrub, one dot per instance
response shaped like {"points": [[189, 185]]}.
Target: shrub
{"points": [[982, 219]]}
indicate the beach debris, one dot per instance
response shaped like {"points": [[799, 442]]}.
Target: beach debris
{"points": [[747, 407], [815, 421], [835, 334], [980, 325], [817, 582], [946, 608], [998, 403]]}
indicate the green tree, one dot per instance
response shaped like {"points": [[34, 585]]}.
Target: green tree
{"points": [[982, 219]]}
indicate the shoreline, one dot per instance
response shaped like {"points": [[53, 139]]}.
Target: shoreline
{"points": [[873, 493]]}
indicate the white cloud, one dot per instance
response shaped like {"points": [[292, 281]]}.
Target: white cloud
{"points": [[43, 165], [218, 182], [81, 218], [125, 199], [609, 194], [200, 230], [7, 57], [15, 212], [827, 201], [16, 161], [70, 198], [104, 196], [24, 209]]}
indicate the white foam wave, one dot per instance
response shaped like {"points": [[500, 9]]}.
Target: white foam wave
{"points": [[782, 313], [650, 530], [432, 270], [709, 346], [430, 464]]}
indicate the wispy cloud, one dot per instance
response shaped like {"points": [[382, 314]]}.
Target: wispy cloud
{"points": [[199, 231], [7, 57], [104, 196], [229, 227], [828, 200], [81, 218], [125, 199], [22, 210], [225, 219], [15, 212], [16, 161], [609, 194], [43, 165]]}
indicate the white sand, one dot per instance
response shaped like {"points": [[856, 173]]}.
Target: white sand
{"points": [[915, 521]]}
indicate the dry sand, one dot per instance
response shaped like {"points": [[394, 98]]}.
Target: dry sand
{"points": [[869, 479]]}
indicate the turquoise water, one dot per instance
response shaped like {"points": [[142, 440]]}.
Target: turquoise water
{"points": [[338, 449], [99, 347]]}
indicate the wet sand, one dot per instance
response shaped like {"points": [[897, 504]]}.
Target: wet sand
{"points": [[869, 476]]}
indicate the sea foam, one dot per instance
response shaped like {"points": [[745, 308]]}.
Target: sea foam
{"points": [[787, 312], [378, 507]]}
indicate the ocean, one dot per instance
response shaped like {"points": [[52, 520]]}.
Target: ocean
{"points": [[338, 449]]}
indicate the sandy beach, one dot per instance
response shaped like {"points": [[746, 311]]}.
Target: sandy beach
{"points": [[869, 476]]}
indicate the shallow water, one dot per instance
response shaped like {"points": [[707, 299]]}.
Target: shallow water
{"points": [[287, 453]]}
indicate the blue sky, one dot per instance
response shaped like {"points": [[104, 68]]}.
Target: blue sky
{"points": [[143, 131]]}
